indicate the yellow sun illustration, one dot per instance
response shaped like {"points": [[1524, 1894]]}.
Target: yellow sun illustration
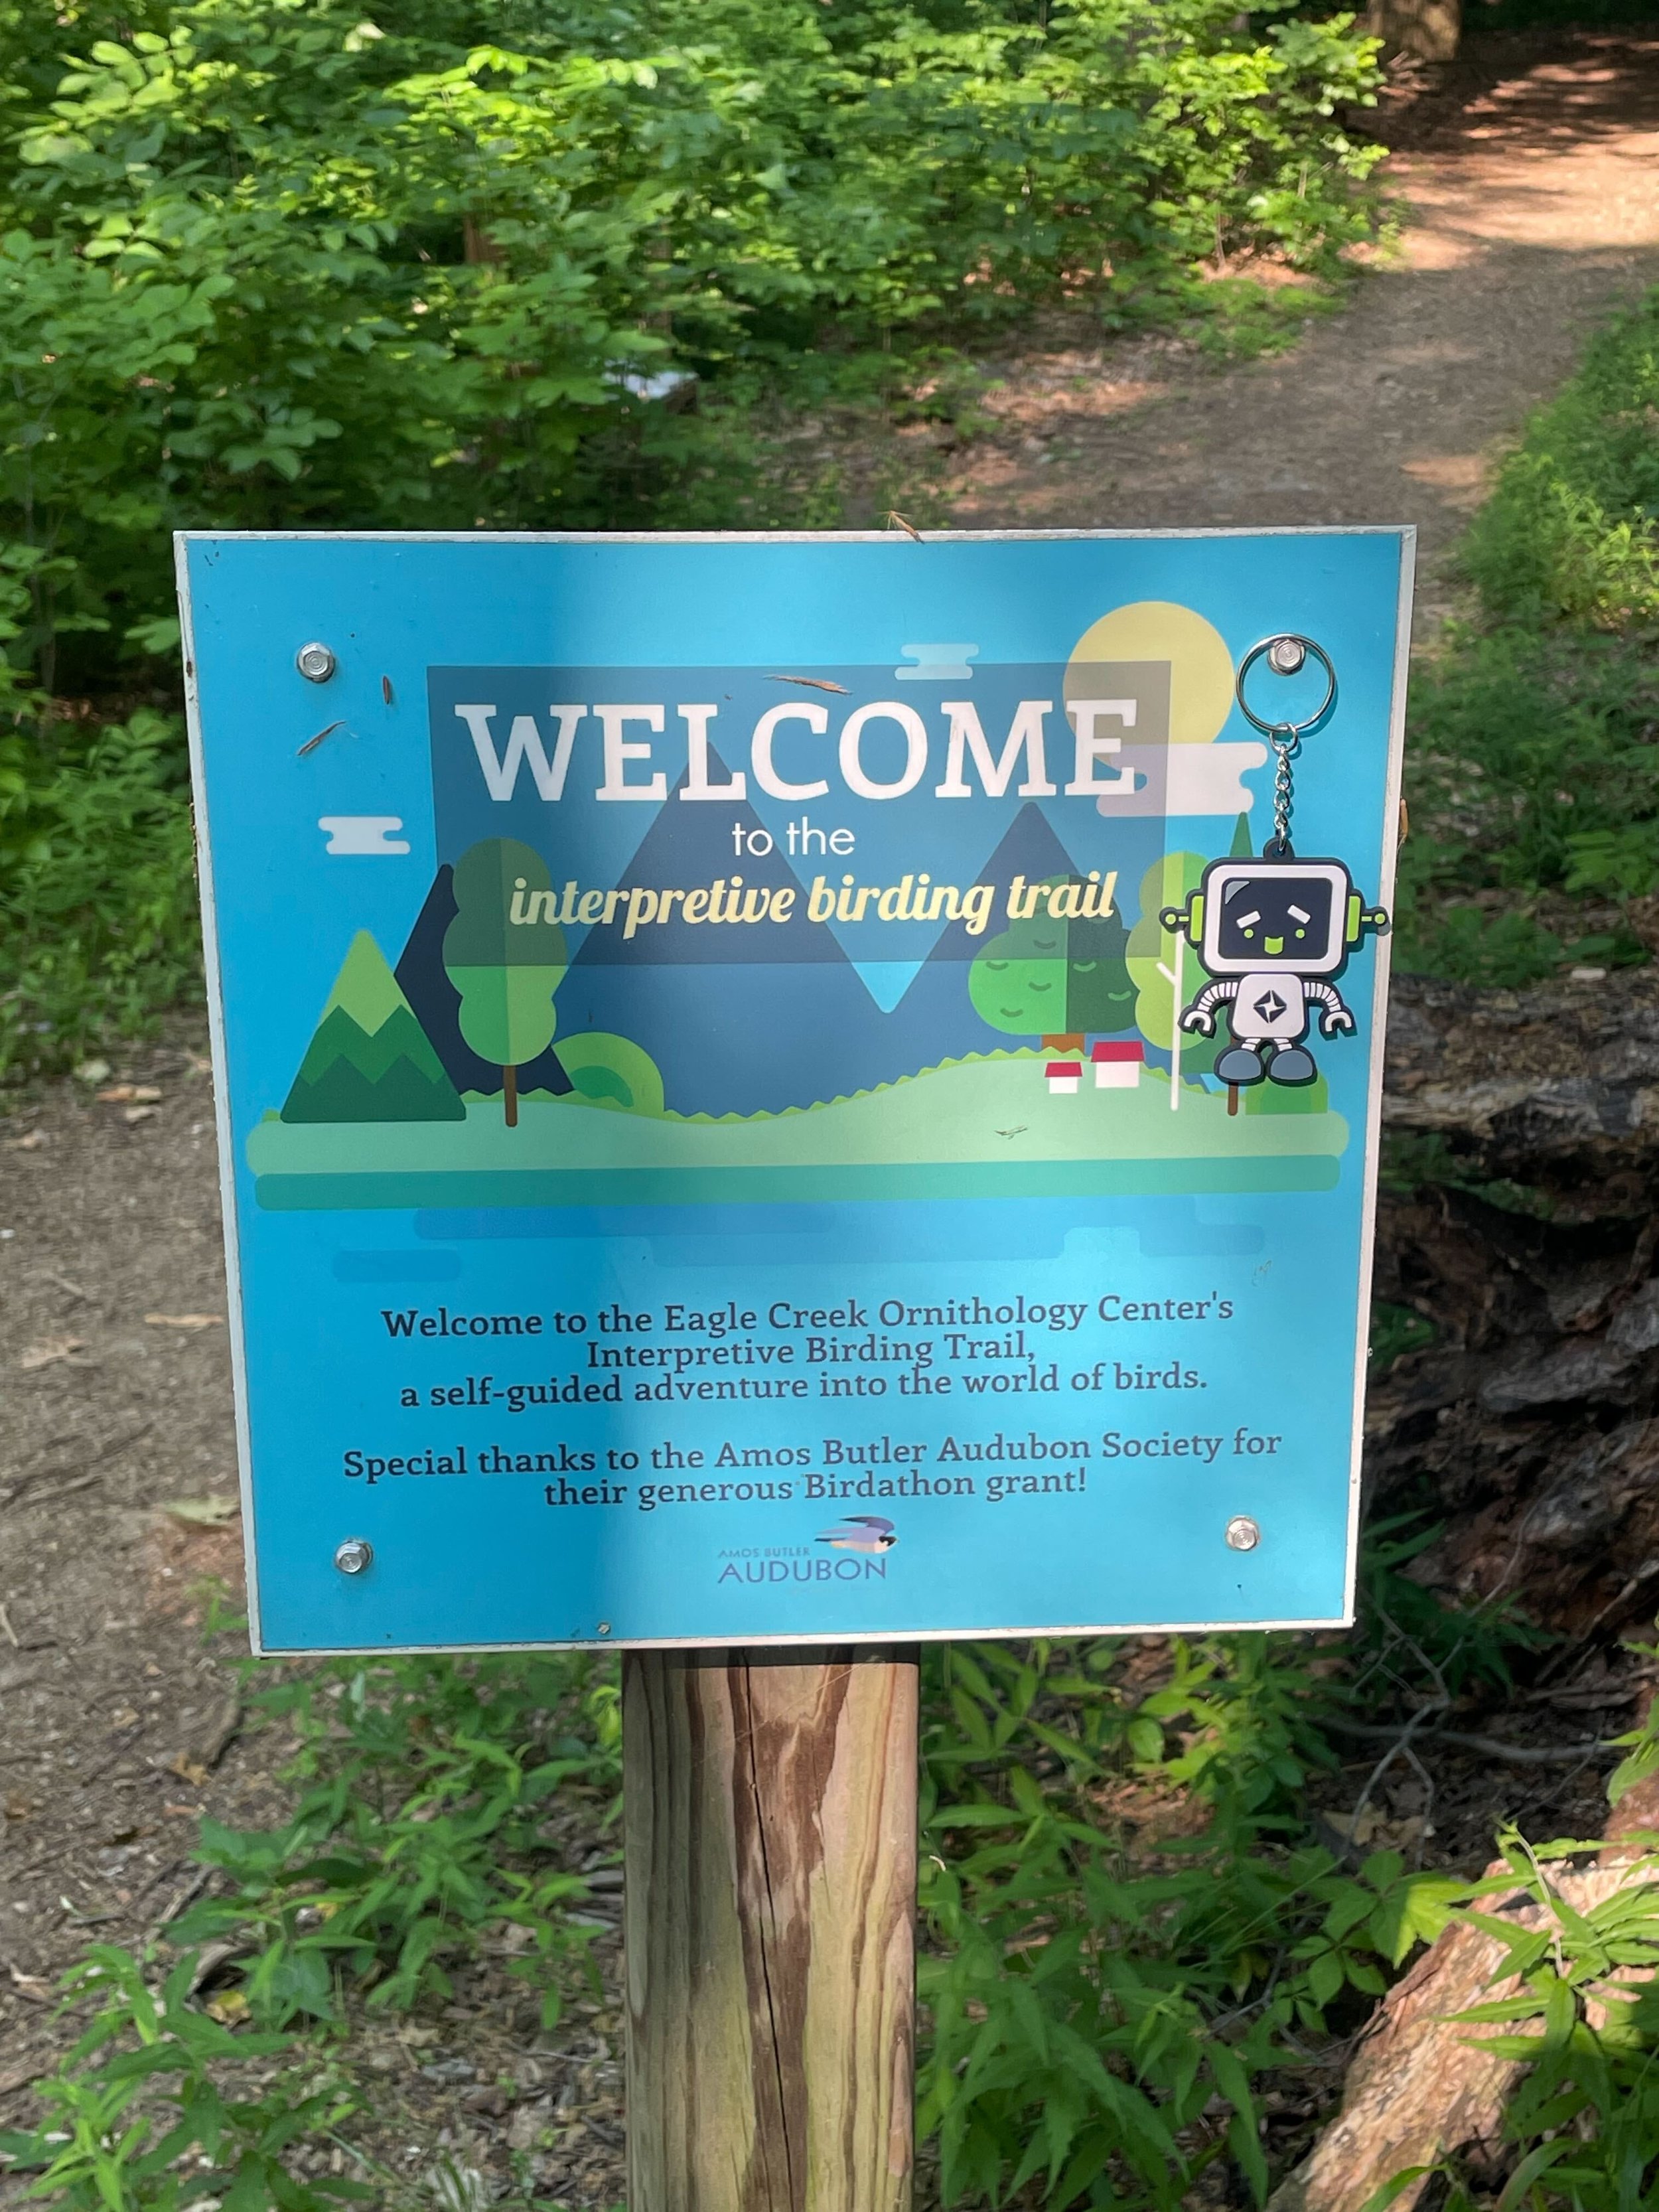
{"points": [[1201, 666]]}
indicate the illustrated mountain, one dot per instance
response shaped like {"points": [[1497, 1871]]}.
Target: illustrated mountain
{"points": [[369, 1059], [798, 1028], [728, 1031], [937, 1011]]}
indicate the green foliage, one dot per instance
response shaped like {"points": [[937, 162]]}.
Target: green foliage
{"points": [[1413, 1643], [109, 2143], [1045, 975], [504, 953], [611, 1071], [1102, 2014], [1533, 771], [1571, 530], [1396, 1330], [427, 1786], [97, 894], [262, 265], [266, 266]]}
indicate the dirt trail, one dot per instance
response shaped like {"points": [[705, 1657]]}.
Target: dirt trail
{"points": [[1533, 206], [1535, 184]]}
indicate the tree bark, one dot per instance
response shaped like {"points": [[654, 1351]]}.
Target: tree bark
{"points": [[1429, 29], [770, 1807], [1519, 1219], [1423, 2085], [510, 1096]]}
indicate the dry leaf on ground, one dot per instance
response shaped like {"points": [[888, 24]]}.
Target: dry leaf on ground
{"points": [[129, 1094], [184, 1321], [131, 1113], [214, 1511], [32, 1143], [52, 1349]]}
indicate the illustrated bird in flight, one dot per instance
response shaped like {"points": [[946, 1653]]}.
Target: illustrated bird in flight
{"points": [[861, 1532]]}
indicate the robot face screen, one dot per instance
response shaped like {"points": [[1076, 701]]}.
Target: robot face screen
{"points": [[1272, 913]]}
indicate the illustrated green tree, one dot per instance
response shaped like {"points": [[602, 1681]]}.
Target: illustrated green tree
{"points": [[1055, 978], [1158, 959], [506, 955]]}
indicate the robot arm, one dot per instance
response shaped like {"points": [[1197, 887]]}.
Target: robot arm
{"points": [[1334, 1016], [1200, 1015]]}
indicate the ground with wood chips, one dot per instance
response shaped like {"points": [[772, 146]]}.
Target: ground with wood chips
{"points": [[1531, 180]]}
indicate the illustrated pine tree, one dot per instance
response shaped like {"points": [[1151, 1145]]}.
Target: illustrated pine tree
{"points": [[507, 956], [369, 1059]]}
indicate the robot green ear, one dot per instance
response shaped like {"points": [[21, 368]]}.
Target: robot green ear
{"points": [[1362, 917], [1188, 921]]}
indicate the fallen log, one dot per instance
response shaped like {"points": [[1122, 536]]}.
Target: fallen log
{"points": [[1423, 2087], [1520, 1217]]}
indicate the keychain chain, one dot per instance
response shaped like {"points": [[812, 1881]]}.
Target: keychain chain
{"points": [[1285, 654], [1286, 743]]}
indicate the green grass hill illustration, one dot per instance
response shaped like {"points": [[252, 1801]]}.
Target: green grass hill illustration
{"points": [[369, 1059], [986, 1127]]}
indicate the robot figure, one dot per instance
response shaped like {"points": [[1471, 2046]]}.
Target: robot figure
{"points": [[1274, 934]]}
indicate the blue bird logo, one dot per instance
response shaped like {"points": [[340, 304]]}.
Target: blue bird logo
{"points": [[860, 1532]]}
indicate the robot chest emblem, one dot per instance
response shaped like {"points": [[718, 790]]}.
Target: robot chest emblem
{"points": [[1269, 1005]]}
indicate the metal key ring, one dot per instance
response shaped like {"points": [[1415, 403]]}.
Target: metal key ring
{"points": [[1301, 647]]}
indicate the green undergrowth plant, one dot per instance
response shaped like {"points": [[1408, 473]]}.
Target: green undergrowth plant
{"points": [[1533, 769], [1131, 1931], [1409, 1643], [152, 2108], [98, 919], [1132, 1934], [437, 1804]]}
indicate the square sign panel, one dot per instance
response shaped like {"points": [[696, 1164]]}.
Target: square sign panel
{"points": [[796, 1087]]}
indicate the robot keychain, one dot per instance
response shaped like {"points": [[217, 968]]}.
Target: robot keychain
{"points": [[1273, 934]]}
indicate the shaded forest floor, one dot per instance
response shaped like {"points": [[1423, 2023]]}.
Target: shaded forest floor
{"points": [[1530, 185]]}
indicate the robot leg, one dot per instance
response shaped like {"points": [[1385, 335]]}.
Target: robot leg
{"points": [[1292, 1064], [1241, 1062]]}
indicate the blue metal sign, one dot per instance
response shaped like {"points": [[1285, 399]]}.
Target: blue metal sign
{"points": [[796, 1087]]}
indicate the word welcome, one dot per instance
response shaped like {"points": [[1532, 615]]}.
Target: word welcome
{"points": [[783, 762]]}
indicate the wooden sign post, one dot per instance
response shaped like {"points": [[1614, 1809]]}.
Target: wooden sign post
{"points": [[770, 1809]]}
